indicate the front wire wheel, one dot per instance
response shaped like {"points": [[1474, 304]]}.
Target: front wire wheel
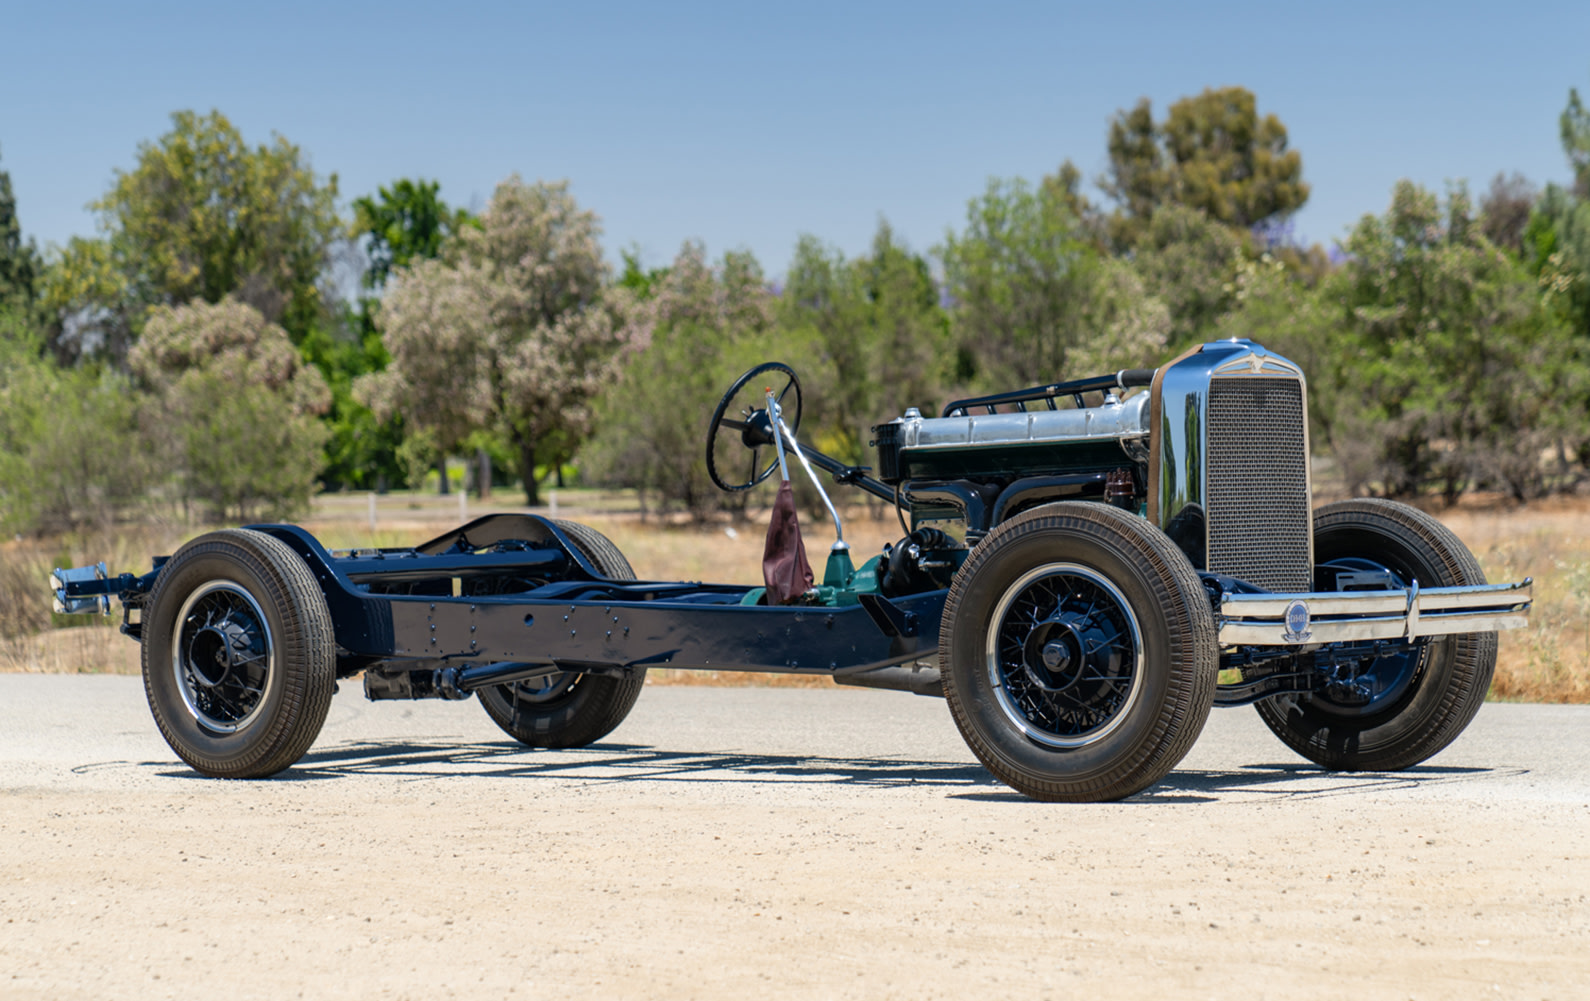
{"points": [[1063, 652], [1078, 653]]}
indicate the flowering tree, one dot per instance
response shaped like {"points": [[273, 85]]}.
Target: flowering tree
{"points": [[695, 328], [238, 406], [513, 332]]}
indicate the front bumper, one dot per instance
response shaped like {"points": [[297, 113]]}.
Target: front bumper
{"points": [[1349, 616]]}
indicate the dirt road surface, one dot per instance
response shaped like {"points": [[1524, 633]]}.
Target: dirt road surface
{"points": [[739, 843]]}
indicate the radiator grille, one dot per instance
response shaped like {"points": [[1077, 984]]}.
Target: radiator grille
{"points": [[1257, 492]]}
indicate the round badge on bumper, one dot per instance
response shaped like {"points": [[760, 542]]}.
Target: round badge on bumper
{"points": [[1296, 620]]}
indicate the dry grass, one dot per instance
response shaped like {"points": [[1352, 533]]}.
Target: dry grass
{"points": [[33, 639], [1548, 662]]}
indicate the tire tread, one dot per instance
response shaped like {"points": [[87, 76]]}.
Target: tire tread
{"points": [[598, 703], [305, 651], [1182, 599], [1472, 655]]}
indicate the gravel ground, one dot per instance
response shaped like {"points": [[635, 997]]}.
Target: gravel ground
{"points": [[729, 843]]}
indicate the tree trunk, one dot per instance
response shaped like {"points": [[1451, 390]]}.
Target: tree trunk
{"points": [[527, 463], [483, 473], [441, 467]]}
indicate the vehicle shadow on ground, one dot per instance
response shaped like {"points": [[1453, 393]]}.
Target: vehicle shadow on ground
{"points": [[613, 763], [606, 763], [1290, 781]]}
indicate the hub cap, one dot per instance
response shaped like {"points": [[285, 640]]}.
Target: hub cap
{"points": [[1064, 655]]}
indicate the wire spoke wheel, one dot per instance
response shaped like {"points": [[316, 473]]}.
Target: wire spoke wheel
{"points": [[239, 660], [1078, 653], [223, 659], [1063, 651]]}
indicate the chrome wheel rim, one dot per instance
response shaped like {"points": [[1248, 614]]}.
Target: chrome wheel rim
{"points": [[223, 656], [1064, 655]]}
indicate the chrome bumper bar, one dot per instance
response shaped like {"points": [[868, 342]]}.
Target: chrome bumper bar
{"points": [[1347, 616]]}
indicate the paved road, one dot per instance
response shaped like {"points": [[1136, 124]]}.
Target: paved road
{"points": [[731, 842]]}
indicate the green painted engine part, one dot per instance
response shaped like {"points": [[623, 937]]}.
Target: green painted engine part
{"points": [[841, 582]]}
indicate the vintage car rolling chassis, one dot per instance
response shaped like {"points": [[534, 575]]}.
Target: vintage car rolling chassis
{"points": [[1088, 568]]}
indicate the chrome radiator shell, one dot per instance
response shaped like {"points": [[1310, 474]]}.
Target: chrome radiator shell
{"points": [[1246, 509]]}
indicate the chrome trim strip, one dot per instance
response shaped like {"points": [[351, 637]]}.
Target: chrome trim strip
{"points": [[1322, 604], [1393, 627], [1406, 613]]}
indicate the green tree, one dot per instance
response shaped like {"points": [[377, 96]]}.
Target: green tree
{"points": [[1267, 303], [823, 303], [19, 260], [1556, 240], [1017, 274], [1065, 186], [640, 281], [1189, 262], [403, 223], [514, 333], [1212, 153], [1032, 299], [202, 216], [1575, 129], [361, 451], [73, 451], [907, 328], [1557, 251], [1461, 374], [880, 326]]}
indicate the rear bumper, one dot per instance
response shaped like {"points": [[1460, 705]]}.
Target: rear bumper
{"points": [[1349, 616]]}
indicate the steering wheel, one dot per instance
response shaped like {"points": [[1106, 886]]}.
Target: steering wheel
{"points": [[740, 421]]}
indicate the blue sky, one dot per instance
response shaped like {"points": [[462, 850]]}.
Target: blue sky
{"points": [[746, 125]]}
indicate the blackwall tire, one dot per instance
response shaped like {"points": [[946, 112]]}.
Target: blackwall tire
{"points": [[1078, 653], [239, 661], [1429, 701], [567, 709]]}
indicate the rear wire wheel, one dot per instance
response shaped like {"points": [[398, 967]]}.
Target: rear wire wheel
{"points": [[239, 663], [1078, 653], [1416, 700], [569, 709]]}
